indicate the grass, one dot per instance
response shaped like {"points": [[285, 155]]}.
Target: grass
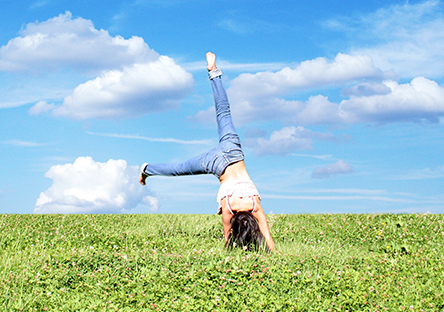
{"points": [[178, 263]]}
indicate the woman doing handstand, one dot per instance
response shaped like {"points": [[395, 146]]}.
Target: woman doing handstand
{"points": [[244, 221]]}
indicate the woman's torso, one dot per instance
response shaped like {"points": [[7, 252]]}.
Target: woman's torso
{"points": [[238, 172], [235, 172]]}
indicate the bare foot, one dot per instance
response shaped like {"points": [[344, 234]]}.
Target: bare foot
{"points": [[142, 178], [211, 61]]}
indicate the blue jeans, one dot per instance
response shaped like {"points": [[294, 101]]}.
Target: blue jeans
{"points": [[216, 160]]}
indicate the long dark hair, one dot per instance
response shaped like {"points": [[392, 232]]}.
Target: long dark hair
{"points": [[245, 232]]}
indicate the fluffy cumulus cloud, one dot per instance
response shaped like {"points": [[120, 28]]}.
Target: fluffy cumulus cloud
{"points": [[86, 186], [312, 73], [287, 140], [123, 77], [260, 96], [138, 89], [340, 167], [64, 41], [420, 100]]}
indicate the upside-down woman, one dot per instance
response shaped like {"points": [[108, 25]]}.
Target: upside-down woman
{"points": [[244, 221]]}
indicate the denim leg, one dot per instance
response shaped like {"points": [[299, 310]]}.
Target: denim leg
{"points": [[229, 142], [212, 162], [216, 160], [190, 167], [223, 114]]}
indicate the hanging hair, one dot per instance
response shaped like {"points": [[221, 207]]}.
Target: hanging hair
{"points": [[245, 232]]}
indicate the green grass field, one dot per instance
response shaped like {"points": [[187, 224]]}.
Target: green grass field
{"points": [[178, 263]]}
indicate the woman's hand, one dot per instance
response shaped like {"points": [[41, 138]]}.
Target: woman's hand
{"points": [[259, 214]]}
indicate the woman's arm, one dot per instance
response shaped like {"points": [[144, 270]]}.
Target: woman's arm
{"points": [[226, 222], [259, 214]]}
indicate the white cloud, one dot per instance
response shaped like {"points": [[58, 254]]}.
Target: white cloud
{"points": [[408, 38], [66, 42], [87, 186], [340, 167], [287, 140], [132, 78], [259, 96], [421, 99], [21, 143], [139, 137], [317, 110], [39, 4], [313, 73], [41, 107], [366, 89], [422, 174], [208, 116], [151, 202], [138, 89], [323, 157]]}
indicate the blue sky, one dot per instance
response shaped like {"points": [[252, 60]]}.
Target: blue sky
{"points": [[339, 105]]}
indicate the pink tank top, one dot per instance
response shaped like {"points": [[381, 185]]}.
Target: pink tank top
{"points": [[231, 210], [239, 189]]}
